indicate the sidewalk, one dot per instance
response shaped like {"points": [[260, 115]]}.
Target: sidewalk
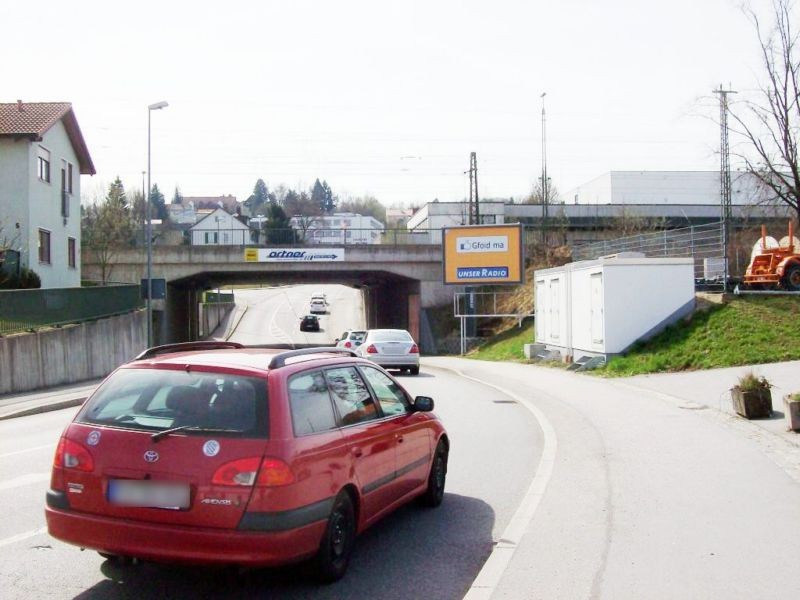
{"points": [[31, 403]]}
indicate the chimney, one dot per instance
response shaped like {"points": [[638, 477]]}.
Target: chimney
{"points": [[20, 106]]}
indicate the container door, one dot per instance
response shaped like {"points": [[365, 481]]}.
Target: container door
{"points": [[554, 326], [596, 307], [541, 311]]}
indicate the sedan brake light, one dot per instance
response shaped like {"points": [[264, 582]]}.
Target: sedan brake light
{"points": [[413, 349], [72, 455], [271, 472], [371, 349], [347, 344]]}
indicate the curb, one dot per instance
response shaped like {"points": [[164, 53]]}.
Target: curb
{"points": [[43, 408]]}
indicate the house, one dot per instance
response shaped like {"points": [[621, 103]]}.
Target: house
{"points": [[226, 201], [219, 228], [42, 155], [339, 228]]}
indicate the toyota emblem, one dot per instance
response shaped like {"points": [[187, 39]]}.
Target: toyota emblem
{"points": [[151, 456]]}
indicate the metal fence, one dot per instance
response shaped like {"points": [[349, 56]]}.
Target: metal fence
{"points": [[330, 236], [703, 243], [22, 310]]}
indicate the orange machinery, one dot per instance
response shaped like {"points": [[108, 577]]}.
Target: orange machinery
{"points": [[777, 266]]}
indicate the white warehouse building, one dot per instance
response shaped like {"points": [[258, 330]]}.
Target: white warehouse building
{"points": [[666, 187]]}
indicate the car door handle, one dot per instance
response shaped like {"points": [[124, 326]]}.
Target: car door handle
{"points": [[357, 452]]}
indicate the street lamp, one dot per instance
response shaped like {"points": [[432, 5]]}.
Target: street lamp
{"points": [[149, 241]]}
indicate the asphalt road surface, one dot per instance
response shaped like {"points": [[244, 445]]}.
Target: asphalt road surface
{"points": [[413, 553], [273, 315]]}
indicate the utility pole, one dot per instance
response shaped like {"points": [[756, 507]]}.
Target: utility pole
{"points": [[724, 180], [545, 183], [474, 206]]}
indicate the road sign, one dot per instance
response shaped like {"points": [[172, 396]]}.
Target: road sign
{"points": [[482, 254]]}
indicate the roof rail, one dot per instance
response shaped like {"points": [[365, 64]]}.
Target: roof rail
{"points": [[279, 360], [187, 347]]}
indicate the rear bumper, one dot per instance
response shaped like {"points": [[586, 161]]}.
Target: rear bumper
{"points": [[396, 361], [179, 544]]}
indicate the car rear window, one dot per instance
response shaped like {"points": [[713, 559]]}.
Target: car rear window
{"points": [[390, 336], [358, 336], [159, 399]]}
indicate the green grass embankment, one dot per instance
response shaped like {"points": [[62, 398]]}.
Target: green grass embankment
{"points": [[746, 330]]}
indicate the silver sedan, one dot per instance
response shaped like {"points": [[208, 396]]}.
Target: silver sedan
{"points": [[391, 349]]}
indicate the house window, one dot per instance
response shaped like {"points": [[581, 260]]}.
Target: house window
{"points": [[212, 237], [44, 246], [43, 165], [71, 252], [66, 176]]}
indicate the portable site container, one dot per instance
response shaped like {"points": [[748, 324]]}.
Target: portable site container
{"points": [[601, 307]]}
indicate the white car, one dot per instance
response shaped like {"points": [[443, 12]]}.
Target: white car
{"points": [[319, 295], [317, 306], [351, 338], [391, 349]]}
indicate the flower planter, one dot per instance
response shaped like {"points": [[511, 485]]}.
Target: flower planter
{"points": [[791, 412], [754, 404]]}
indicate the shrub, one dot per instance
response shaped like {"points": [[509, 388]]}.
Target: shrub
{"points": [[26, 279], [749, 382]]}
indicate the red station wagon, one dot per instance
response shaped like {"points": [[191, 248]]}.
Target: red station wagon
{"points": [[210, 452]]}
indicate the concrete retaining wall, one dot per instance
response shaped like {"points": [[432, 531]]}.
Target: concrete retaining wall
{"points": [[211, 315], [47, 358]]}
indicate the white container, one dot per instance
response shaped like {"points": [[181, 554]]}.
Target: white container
{"points": [[602, 307]]}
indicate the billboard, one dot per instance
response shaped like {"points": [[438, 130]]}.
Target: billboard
{"points": [[293, 254], [482, 255]]}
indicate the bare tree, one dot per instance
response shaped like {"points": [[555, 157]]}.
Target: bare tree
{"points": [[771, 121], [107, 226]]}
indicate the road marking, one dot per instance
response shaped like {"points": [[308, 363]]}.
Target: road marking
{"points": [[23, 480], [22, 536], [495, 566], [34, 449]]}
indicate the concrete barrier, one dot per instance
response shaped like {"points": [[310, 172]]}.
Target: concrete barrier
{"points": [[69, 354], [211, 315]]}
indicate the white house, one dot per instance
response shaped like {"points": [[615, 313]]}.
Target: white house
{"points": [[42, 155], [428, 221], [219, 228], [340, 228]]}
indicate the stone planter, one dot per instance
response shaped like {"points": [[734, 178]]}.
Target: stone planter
{"points": [[791, 412], [754, 404]]}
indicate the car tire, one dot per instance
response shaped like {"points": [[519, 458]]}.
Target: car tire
{"points": [[337, 541], [434, 493], [414, 370]]}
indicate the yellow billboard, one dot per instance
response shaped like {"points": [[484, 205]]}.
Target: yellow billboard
{"points": [[482, 254]]}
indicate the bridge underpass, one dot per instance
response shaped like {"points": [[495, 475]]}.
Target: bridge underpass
{"points": [[398, 282]]}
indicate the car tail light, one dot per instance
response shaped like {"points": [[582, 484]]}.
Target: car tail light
{"points": [[413, 349], [71, 455], [371, 349], [245, 471], [347, 344]]}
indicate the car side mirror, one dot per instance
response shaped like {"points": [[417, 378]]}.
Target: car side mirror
{"points": [[423, 404]]}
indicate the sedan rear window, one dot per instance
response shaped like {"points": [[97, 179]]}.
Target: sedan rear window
{"points": [[158, 399], [390, 336]]}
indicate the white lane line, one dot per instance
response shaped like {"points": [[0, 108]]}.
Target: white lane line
{"points": [[22, 536], [495, 566], [23, 480], [34, 449]]}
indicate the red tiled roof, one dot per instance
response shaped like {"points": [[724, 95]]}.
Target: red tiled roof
{"points": [[32, 120]]}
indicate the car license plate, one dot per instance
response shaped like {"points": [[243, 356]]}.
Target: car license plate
{"points": [[148, 494]]}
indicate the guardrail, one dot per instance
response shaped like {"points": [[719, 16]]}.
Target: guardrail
{"points": [[23, 310]]}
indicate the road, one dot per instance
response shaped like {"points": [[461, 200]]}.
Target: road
{"points": [[273, 315], [414, 553]]}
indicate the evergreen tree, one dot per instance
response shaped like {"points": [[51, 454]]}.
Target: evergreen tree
{"points": [[330, 201], [116, 194], [178, 197], [260, 196], [158, 205], [276, 228]]}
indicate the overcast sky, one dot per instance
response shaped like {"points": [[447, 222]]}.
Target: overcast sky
{"points": [[382, 98]]}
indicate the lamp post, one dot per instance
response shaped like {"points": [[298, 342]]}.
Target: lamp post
{"points": [[149, 241]]}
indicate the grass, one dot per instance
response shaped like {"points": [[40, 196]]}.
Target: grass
{"points": [[749, 330], [506, 346]]}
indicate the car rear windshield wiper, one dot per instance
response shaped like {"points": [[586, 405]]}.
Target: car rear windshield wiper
{"points": [[164, 433]]}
